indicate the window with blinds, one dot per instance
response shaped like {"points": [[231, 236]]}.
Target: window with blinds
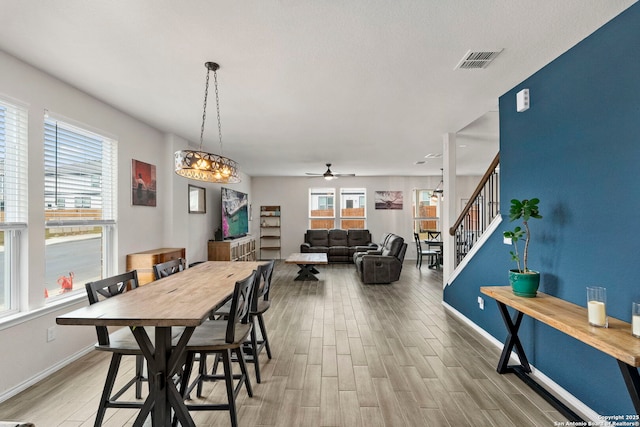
{"points": [[79, 169], [80, 206], [353, 203], [426, 220], [13, 200], [322, 211]]}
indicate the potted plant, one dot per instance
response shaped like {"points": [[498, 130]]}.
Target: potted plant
{"points": [[524, 282]]}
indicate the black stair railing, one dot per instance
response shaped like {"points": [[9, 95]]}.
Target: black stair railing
{"points": [[483, 206]]}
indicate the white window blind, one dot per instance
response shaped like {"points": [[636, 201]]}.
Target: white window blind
{"points": [[353, 208], [13, 165], [79, 165]]}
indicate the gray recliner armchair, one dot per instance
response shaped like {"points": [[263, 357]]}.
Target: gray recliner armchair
{"points": [[372, 249], [384, 267]]}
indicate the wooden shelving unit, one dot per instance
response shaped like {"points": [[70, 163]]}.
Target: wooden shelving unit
{"points": [[270, 235]]}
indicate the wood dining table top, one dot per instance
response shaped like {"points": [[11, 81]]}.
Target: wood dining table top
{"points": [[182, 299]]}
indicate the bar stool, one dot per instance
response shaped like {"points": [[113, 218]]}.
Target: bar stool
{"points": [[223, 337], [119, 343], [259, 305]]}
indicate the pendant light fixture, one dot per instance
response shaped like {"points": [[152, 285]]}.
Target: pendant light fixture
{"points": [[439, 190], [203, 166]]}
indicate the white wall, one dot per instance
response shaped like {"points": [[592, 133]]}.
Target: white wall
{"points": [[292, 194], [26, 355]]}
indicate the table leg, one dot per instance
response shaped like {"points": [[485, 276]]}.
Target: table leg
{"points": [[632, 380], [307, 272], [512, 340], [523, 370], [163, 363]]}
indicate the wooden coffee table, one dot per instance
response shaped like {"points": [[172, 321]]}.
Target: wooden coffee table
{"points": [[307, 263]]}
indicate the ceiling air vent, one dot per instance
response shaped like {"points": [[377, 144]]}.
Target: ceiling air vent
{"points": [[478, 59]]}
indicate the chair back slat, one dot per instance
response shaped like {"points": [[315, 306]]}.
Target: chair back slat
{"points": [[168, 268], [107, 288], [262, 290], [239, 310], [418, 244], [260, 285]]}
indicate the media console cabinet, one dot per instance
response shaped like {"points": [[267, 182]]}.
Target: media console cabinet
{"points": [[240, 249], [616, 340]]}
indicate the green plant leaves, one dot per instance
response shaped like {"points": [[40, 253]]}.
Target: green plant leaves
{"points": [[524, 210], [514, 235]]}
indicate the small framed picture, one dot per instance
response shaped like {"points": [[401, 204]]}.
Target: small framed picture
{"points": [[143, 184], [388, 199], [197, 199]]}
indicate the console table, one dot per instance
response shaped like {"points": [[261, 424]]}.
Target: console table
{"points": [[616, 340]]}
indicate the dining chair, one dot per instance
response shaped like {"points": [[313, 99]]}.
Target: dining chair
{"points": [[168, 268], [223, 337], [260, 303], [119, 343], [432, 254]]}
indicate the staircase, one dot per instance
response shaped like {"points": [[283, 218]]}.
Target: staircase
{"points": [[477, 215]]}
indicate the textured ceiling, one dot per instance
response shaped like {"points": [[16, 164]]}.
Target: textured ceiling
{"points": [[367, 85]]}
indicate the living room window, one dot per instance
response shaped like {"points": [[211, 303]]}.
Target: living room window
{"points": [[322, 211], [426, 217], [13, 200], [353, 202], [80, 206]]}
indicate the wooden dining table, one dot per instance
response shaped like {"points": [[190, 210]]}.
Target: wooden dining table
{"points": [[184, 299]]}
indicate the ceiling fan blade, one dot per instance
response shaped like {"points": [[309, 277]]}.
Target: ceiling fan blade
{"points": [[329, 174]]}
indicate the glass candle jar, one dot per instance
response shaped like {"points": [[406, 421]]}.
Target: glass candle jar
{"points": [[597, 306]]}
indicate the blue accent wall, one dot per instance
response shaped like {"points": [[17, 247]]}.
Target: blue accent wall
{"points": [[578, 150]]}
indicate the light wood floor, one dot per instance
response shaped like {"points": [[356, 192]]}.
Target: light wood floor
{"points": [[345, 354]]}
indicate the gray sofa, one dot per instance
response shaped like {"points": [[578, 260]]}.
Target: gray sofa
{"points": [[383, 265], [339, 245]]}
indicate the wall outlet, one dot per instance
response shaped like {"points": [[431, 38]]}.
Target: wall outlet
{"points": [[481, 303], [51, 333], [506, 240]]}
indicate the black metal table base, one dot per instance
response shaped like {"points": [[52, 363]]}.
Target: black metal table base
{"points": [[163, 363], [307, 272], [629, 373], [632, 380], [523, 370]]}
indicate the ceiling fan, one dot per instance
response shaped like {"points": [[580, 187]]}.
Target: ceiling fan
{"points": [[328, 175]]}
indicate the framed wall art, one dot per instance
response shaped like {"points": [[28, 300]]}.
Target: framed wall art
{"points": [[388, 199], [143, 184], [197, 199]]}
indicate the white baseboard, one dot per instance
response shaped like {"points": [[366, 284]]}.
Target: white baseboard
{"points": [[44, 374], [576, 405]]}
